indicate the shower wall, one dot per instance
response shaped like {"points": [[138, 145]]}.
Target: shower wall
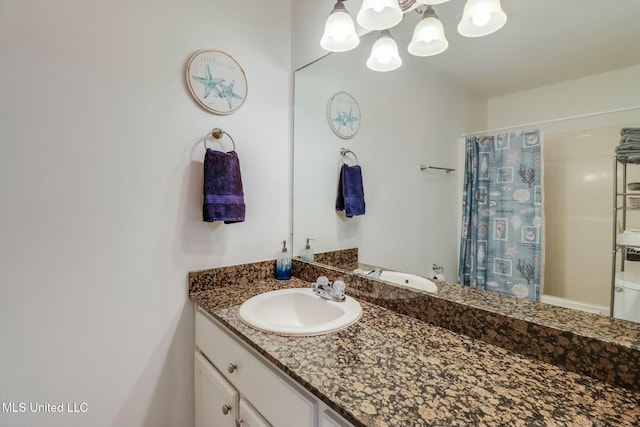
{"points": [[578, 156], [578, 177]]}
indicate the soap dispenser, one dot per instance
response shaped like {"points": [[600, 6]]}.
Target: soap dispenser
{"points": [[283, 263], [307, 252]]}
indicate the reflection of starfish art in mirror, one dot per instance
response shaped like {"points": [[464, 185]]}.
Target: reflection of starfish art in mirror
{"points": [[343, 115], [216, 81]]}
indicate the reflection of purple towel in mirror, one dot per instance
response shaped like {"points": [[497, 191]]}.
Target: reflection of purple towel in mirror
{"points": [[223, 193], [350, 191]]}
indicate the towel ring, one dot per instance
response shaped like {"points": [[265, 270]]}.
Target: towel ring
{"points": [[345, 151], [217, 133]]}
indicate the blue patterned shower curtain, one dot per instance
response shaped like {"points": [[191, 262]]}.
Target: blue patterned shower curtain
{"points": [[501, 242]]}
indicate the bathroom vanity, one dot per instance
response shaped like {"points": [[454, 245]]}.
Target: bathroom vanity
{"points": [[236, 386], [388, 369]]}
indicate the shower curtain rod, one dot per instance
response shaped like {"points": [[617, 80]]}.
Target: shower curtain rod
{"points": [[542, 122]]}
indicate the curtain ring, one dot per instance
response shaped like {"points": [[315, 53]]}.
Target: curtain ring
{"points": [[217, 133]]}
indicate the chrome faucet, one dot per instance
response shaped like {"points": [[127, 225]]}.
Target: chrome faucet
{"points": [[333, 291], [375, 272], [437, 269]]}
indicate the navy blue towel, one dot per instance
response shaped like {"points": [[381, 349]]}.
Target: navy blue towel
{"points": [[350, 191], [223, 193]]}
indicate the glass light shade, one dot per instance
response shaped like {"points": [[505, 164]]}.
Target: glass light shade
{"points": [[379, 14], [428, 36], [431, 2], [384, 54], [339, 31], [481, 17]]}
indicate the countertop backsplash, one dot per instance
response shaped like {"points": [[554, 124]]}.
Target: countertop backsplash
{"points": [[604, 348]]}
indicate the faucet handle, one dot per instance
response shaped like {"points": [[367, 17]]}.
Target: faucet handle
{"points": [[322, 281], [338, 288]]}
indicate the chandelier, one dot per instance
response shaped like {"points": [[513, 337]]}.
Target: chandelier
{"points": [[479, 18]]}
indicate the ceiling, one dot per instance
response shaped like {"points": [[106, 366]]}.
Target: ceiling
{"points": [[543, 42]]}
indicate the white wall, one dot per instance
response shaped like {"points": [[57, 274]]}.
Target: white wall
{"points": [[599, 92], [101, 187], [578, 174], [408, 119]]}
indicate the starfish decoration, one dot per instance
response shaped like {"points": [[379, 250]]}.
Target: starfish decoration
{"points": [[345, 119], [228, 93], [511, 251], [210, 84]]}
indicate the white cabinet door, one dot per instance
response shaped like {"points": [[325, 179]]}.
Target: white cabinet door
{"points": [[275, 398], [328, 418], [249, 417], [216, 401]]}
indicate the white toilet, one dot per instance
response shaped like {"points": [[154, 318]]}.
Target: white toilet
{"points": [[627, 296]]}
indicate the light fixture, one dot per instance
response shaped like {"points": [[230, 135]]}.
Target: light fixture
{"points": [[428, 36], [379, 14], [431, 2], [481, 18], [384, 53], [339, 31]]}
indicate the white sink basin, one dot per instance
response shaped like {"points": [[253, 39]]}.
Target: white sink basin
{"points": [[410, 280], [298, 312]]}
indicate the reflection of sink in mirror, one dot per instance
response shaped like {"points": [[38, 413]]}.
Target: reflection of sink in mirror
{"points": [[298, 312], [410, 280]]}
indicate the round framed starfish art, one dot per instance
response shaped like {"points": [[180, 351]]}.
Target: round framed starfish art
{"points": [[216, 81], [343, 115]]}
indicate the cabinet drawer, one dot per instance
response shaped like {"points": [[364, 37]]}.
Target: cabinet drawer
{"points": [[265, 389]]}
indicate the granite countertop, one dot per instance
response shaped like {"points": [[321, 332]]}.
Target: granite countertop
{"points": [[390, 369]]}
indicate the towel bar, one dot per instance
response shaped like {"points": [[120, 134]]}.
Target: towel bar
{"points": [[447, 170], [217, 133]]}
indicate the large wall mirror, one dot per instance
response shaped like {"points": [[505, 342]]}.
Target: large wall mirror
{"points": [[553, 60]]}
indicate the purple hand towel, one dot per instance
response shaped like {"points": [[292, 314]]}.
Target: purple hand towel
{"points": [[350, 191], [223, 193]]}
